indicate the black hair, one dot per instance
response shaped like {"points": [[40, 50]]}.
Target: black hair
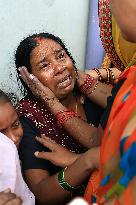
{"points": [[9, 97], [4, 97], [22, 55]]}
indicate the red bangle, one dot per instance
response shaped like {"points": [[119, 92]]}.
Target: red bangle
{"points": [[88, 83], [94, 88], [63, 116]]}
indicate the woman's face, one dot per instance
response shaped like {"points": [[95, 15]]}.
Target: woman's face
{"points": [[9, 123], [53, 67]]}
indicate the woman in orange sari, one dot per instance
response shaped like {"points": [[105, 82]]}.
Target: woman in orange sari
{"points": [[117, 156], [120, 52]]}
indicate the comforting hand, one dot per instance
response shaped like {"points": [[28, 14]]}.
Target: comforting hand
{"points": [[92, 73], [82, 76], [59, 155], [8, 198], [37, 88]]}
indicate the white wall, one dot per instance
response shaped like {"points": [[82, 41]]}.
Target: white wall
{"points": [[66, 18]]}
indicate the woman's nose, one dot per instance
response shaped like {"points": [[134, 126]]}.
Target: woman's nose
{"points": [[59, 68]]}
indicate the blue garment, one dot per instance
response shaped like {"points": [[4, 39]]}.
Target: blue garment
{"points": [[95, 51]]}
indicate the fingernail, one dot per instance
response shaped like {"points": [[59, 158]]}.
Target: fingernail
{"points": [[31, 76], [7, 190], [19, 69], [24, 67], [36, 153], [38, 138]]}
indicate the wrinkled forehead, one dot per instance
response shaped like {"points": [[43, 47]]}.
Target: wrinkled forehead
{"points": [[46, 46]]}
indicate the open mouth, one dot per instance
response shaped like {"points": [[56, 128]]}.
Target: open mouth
{"points": [[65, 82]]}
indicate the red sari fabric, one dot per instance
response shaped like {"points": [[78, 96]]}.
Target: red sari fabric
{"points": [[47, 124]]}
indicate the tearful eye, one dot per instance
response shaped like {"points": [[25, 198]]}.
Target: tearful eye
{"points": [[16, 124], [61, 55], [44, 66]]}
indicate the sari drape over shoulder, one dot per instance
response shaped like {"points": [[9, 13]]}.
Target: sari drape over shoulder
{"points": [[117, 174], [121, 52]]}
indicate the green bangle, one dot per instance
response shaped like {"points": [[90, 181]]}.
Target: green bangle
{"points": [[65, 185]]}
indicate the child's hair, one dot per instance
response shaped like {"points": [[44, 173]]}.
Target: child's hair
{"points": [[8, 98]]}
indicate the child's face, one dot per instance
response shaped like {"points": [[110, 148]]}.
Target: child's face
{"points": [[9, 123]]}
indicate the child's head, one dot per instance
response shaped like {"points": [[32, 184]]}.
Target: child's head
{"points": [[9, 121]]}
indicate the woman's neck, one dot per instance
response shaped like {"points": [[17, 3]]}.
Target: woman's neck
{"points": [[69, 100], [74, 103]]}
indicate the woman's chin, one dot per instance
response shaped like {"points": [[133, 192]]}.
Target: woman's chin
{"points": [[63, 93]]}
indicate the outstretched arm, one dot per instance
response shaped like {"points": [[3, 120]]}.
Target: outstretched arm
{"points": [[42, 184]]}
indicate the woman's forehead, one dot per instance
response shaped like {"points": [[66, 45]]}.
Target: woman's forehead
{"points": [[48, 45], [45, 48]]}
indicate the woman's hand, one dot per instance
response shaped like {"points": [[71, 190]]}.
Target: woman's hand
{"points": [[8, 198], [82, 76], [38, 89], [59, 155]]}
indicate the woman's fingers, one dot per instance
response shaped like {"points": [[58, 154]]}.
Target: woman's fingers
{"points": [[24, 74], [16, 201], [48, 139], [47, 142], [29, 79], [37, 88], [8, 190], [5, 197], [52, 157], [44, 155]]}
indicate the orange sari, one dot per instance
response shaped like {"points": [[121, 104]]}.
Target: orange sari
{"points": [[117, 175]]}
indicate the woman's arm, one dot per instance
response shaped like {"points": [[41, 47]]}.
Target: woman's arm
{"points": [[42, 184], [37, 171]]}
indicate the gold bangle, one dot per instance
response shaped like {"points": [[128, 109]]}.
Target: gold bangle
{"points": [[112, 76], [98, 73]]}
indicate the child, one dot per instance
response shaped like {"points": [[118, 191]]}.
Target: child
{"points": [[9, 121], [10, 170]]}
